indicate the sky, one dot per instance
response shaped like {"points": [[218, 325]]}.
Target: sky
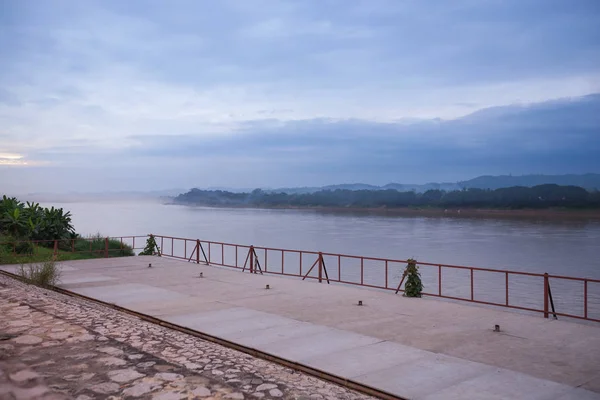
{"points": [[118, 95]]}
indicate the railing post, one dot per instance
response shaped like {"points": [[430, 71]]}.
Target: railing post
{"points": [[197, 251], [251, 259], [506, 284], [386, 274], [105, 247], [362, 270], [546, 283], [472, 292], [440, 280], [320, 267], [585, 303]]}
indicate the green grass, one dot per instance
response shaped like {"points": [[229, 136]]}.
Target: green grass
{"points": [[92, 247]]}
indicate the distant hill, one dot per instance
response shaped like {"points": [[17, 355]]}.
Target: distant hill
{"points": [[586, 181], [401, 187]]}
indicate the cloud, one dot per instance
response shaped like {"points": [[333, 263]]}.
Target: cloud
{"points": [[550, 137], [282, 83]]}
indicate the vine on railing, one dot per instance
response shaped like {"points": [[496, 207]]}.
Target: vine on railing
{"points": [[151, 248], [413, 286]]}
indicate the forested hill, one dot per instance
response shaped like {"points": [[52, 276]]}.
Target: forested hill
{"points": [[517, 197], [586, 181]]}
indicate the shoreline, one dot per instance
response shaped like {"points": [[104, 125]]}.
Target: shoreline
{"points": [[428, 212]]}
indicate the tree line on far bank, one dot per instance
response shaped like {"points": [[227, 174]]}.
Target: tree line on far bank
{"points": [[511, 198]]}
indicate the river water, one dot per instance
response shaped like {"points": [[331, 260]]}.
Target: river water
{"points": [[559, 247]]}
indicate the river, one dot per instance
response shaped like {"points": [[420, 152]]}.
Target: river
{"points": [[556, 246]]}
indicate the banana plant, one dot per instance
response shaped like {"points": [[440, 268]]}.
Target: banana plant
{"points": [[14, 223], [56, 224]]}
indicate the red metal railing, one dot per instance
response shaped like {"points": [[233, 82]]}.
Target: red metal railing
{"points": [[519, 290], [574, 297]]}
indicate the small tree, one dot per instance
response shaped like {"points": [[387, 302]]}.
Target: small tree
{"points": [[151, 247], [413, 286]]}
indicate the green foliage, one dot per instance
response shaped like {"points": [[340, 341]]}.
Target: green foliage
{"points": [[413, 285], [537, 197], [151, 247], [32, 222], [14, 222], [30, 230], [45, 274], [12, 244], [24, 248], [95, 246], [82, 251]]}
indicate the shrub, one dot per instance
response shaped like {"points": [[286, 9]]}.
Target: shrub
{"points": [[19, 246], [95, 245], [45, 274], [24, 248], [413, 286]]}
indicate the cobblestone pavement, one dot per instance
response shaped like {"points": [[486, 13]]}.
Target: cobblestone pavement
{"points": [[59, 347]]}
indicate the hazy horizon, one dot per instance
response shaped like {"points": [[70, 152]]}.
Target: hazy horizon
{"points": [[101, 96], [157, 193]]}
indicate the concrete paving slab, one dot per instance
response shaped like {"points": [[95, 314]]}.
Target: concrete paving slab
{"points": [[503, 384], [578, 394], [74, 279], [228, 322], [242, 326], [197, 319], [216, 290], [366, 359], [127, 293], [169, 308], [109, 263], [318, 344], [276, 333], [424, 376]]}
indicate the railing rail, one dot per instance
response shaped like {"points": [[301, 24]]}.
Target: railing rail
{"points": [[574, 297], [526, 291]]}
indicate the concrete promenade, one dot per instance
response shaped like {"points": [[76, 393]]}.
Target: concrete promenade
{"points": [[414, 348]]}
